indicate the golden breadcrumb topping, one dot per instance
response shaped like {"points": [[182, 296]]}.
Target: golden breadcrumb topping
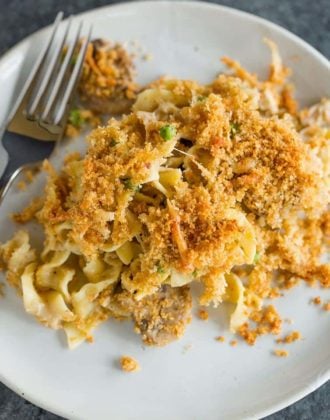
{"points": [[226, 184]]}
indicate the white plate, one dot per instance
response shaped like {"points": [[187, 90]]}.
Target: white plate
{"points": [[211, 380]]}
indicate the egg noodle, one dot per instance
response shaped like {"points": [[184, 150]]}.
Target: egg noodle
{"points": [[225, 184]]}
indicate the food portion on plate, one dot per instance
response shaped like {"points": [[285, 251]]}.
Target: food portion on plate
{"points": [[107, 82], [225, 184], [106, 86]]}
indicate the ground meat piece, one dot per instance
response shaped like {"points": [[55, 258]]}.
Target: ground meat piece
{"points": [[107, 84], [161, 317]]}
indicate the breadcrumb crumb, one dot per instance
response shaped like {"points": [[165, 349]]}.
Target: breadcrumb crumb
{"points": [[71, 131], [129, 364], [290, 338], [233, 343], [221, 338], [29, 176], [29, 212], [326, 306], [274, 293], [21, 186], [281, 353], [317, 300], [203, 314], [267, 321]]}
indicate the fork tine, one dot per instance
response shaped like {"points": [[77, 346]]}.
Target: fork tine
{"points": [[60, 77], [31, 109], [32, 76], [73, 79]]}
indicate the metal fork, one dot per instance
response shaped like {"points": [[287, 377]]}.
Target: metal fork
{"points": [[41, 109]]}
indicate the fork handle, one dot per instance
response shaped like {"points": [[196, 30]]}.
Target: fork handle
{"points": [[21, 151], [11, 173], [9, 177]]}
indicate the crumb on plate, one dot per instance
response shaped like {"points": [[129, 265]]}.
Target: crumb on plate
{"points": [[267, 321], [274, 293], [29, 176], [290, 338], [220, 338], [21, 185], [29, 212], [203, 314], [317, 300], [129, 364], [281, 353], [326, 306]]}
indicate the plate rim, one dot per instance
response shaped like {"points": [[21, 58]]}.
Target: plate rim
{"points": [[318, 380]]}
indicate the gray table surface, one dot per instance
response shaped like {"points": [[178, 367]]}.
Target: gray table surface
{"points": [[308, 19]]}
